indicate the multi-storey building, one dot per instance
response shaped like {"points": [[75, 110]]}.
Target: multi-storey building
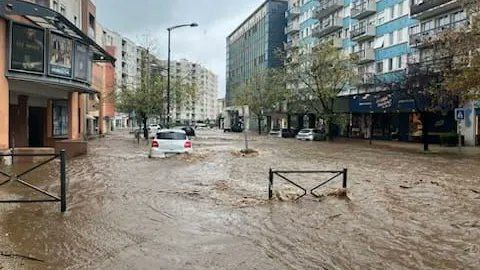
{"points": [[434, 18], [52, 54], [254, 45], [201, 106]]}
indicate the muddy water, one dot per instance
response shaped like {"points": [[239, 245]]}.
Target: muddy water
{"points": [[405, 210]]}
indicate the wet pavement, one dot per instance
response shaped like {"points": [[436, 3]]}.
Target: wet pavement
{"points": [[209, 210]]}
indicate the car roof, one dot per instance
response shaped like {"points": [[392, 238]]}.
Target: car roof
{"points": [[171, 130]]}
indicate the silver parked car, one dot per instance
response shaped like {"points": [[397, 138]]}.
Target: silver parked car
{"points": [[310, 134]]}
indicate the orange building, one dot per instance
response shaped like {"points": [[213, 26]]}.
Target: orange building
{"points": [[46, 68]]}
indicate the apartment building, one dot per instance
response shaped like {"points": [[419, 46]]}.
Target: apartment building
{"points": [[202, 106], [47, 78]]}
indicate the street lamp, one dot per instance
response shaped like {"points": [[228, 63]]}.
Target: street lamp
{"points": [[168, 65]]}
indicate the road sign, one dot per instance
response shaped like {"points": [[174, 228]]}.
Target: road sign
{"points": [[459, 114]]}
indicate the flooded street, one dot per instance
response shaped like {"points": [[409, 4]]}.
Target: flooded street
{"points": [[210, 210]]}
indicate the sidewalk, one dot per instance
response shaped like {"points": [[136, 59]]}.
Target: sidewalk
{"points": [[468, 151]]}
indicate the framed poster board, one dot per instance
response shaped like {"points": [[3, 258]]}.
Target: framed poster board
{"points": [[60, 56], [83, 62], [27, 49]]}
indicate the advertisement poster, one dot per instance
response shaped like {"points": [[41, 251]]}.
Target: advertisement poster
{"points": [[27, 45], [82, 62], [61, 56]]}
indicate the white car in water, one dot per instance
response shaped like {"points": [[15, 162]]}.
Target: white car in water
{"points": [[309, 134], [170, 141]]}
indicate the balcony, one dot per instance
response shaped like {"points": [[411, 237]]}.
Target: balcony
{"points": [[335, 42], [423, 9], [422, 66], [292, 28], [366, 79], [364, 32], [365, 56], [327, 26], [427, 38], [363, 9], [326, 8], [292, 13]]}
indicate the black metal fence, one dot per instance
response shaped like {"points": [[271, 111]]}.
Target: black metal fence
{"points": [[62, 198], [281, 175]]}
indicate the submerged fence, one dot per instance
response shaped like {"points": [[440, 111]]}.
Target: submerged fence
{"points": [[12, 177], [282, 175]]}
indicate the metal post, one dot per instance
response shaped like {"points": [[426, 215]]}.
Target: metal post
{"points": [[63, 182], [345, 178], [270, 184], [168, 80]]}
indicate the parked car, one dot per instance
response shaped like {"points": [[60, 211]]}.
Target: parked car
{"points": [[190, 131], [153, 129], [310, 134], [170, 141], [288, 133], [275, 132]]}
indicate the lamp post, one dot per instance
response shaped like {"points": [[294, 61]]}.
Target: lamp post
{"points": [[168, 65]]}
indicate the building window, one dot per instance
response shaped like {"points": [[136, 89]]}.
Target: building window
{"points": [[399, 63], [60, 118], [379, 67], [390, 64]]}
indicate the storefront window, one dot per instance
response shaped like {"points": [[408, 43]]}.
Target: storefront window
{"points": [[60, 118]]}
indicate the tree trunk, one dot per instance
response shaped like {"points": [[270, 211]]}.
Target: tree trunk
{"points": [[145, 130], [330, 131], [425, 136], [259, 125], [289, 121]]}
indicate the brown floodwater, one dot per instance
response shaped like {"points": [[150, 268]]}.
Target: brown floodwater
{"points": [[209, 210]]}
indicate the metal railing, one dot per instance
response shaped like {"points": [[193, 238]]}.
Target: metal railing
{"points": [[281, 174], [13, 177]]}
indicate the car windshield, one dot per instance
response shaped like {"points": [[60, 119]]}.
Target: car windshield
{"points": [[171, 136]]}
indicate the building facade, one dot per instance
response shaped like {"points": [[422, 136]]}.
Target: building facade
{"points": [[46, 79], [386, 37], [254, 45], [201, 106]]}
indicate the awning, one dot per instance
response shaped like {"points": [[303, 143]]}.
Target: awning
{"points": [[50, 19]]}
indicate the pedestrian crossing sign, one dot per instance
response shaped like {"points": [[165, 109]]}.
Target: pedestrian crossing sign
{"points": [[459, 114]]}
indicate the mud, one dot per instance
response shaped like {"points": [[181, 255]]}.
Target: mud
{"points": [[210, 210]]}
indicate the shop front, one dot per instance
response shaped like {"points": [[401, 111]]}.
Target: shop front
{"points": [[386, 116], [45, 67]]}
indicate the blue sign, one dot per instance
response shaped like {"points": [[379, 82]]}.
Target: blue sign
{"points": [[459, 114]]}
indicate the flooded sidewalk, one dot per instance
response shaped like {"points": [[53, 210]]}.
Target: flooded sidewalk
{"points": [[210, 210]]}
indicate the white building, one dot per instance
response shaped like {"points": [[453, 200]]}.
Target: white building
{"points": [[203, 106]]}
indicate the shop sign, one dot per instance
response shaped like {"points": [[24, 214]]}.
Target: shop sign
{"points": [[82, 62], [384, 102], [27, 49], [60, 55]]}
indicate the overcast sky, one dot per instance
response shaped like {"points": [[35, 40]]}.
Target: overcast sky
{"points": [[205, 44]]}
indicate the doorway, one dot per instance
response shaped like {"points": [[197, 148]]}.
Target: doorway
{"points": [[36, 126]]}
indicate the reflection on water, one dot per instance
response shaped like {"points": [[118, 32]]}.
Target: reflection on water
{"points": [[209, 210]]}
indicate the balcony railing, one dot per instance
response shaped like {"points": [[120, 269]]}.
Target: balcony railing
{"points": [[359, 33], [365, 56], [292, 28], [428, 37], [362, 9], [292, 13], [327, 7], [327, 26], [429, 65], [366, 79], [421, 9]]}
